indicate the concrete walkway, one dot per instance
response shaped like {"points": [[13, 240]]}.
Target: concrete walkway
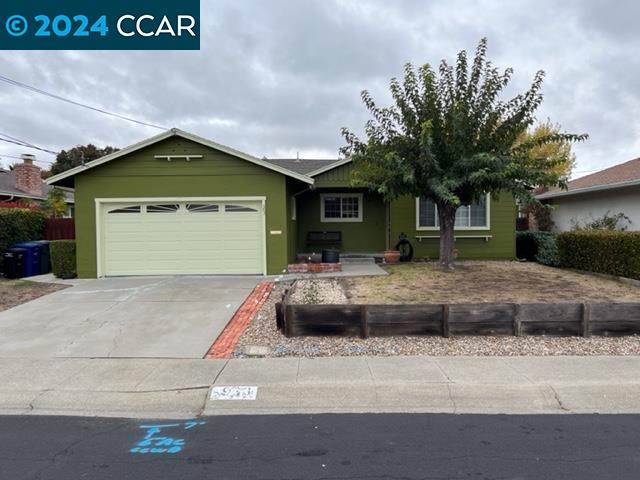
{"points": [[165, 388]]}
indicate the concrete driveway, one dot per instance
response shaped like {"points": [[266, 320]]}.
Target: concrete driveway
{"points": [[159, 317]]}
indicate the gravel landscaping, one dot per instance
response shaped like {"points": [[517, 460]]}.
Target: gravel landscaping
{"points": [[262, 332], [16, 292]]}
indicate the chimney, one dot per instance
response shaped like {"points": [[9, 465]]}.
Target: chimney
{"points": [[28, 176]]}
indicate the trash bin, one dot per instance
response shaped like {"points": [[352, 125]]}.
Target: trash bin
{"points": [[330, 256], [13, 262], [31, 258], [45, 256]]}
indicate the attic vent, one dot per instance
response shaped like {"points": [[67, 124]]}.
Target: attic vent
{"points": [[169, 158]]}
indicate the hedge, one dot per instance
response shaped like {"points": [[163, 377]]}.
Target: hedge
{"points": [[610, 252], [19, 225], [63, 258], [537, 246]]}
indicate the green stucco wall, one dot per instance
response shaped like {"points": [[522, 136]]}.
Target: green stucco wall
{"points": [[366, 236], [502, 222], [139, 174], [292, 225]]}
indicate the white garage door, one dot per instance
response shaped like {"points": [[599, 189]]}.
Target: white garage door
{"points": [[182, 237]]}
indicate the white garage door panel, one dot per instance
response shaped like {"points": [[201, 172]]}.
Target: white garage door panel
{"points": [[182, 242]]}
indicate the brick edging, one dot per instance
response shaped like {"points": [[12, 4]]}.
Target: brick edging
{"points": [[226, 342], [314, 267]]}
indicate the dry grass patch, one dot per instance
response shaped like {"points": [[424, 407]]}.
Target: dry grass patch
{"points": [[16, 292], [485, 282]]}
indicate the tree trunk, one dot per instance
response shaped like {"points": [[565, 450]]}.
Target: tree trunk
{"points": [[447, 219]]}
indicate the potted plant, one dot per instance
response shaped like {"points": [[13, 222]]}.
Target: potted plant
{"points": [[391, 256]]}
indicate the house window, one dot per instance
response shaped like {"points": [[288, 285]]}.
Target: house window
{"points": [[341, 207], [163, 208], [238, 208], [202, 207], [294, 209], [468, 217], [132, 209]]}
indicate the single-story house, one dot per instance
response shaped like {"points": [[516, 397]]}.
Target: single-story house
{"points": [[613, 190], [24, 184], [178, 203]]}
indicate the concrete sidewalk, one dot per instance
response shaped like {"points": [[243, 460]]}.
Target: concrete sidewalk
{"points": [[167, 388]]}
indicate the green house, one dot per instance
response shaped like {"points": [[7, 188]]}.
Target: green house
{"points": [[177, 203]]}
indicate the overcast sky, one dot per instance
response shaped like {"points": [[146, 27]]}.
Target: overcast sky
{"points": [[274, 78]]}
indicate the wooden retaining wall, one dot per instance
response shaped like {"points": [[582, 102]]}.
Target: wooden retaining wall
{"points": [[566, 319]]}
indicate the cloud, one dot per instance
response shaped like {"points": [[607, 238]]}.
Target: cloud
{"points": [[277, 77]]}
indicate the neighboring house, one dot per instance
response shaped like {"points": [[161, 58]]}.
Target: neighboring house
{"points": [[614, 190], [24, 183], [181, 204]]}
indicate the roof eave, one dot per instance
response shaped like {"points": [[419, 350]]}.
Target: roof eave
{"points": [[22, 195], [331, 166], [595, 188], [170, 133]]}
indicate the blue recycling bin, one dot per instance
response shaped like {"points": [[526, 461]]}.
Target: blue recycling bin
{"points": [[32, 254], [45, 256]]}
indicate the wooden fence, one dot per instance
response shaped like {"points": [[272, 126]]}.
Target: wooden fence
{"points": [[566, 319], [59, 229]]}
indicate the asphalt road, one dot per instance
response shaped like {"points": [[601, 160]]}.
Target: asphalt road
{"points": [[367, 446]]}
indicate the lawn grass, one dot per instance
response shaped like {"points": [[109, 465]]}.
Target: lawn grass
{"points": [[16, 292]]}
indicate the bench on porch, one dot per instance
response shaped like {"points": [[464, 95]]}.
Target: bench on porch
{"points": [[324, 238]]}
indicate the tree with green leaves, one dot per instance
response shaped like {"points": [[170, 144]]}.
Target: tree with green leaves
{"points": [[68, 159], [55, 205], [449, 138]]}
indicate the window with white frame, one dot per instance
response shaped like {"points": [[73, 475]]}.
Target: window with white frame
{"points": [[469, 217], [341, 207]]}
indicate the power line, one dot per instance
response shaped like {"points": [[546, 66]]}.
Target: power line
{"points": [[26, 144], [23, 144], [73, 102]]}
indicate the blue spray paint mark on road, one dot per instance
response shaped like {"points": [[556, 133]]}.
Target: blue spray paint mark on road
{"points": [[153, 443]]}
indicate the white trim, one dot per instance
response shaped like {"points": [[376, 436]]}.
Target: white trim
{"points": [[455, 237], [177, 133], [103, 200], [357, 219], [487, 225], [22, 195], [331, 166], [264, 236], [610, 186], [179, 199]]}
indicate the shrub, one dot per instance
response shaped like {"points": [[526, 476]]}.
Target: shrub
{"points": [[609, 221], [610, 252], [538, 246], [19, 225], [63, 258]]}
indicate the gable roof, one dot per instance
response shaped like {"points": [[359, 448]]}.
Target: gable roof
{"points": [[622, 175], [302, 165], [174, 132], [8, 188]]}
